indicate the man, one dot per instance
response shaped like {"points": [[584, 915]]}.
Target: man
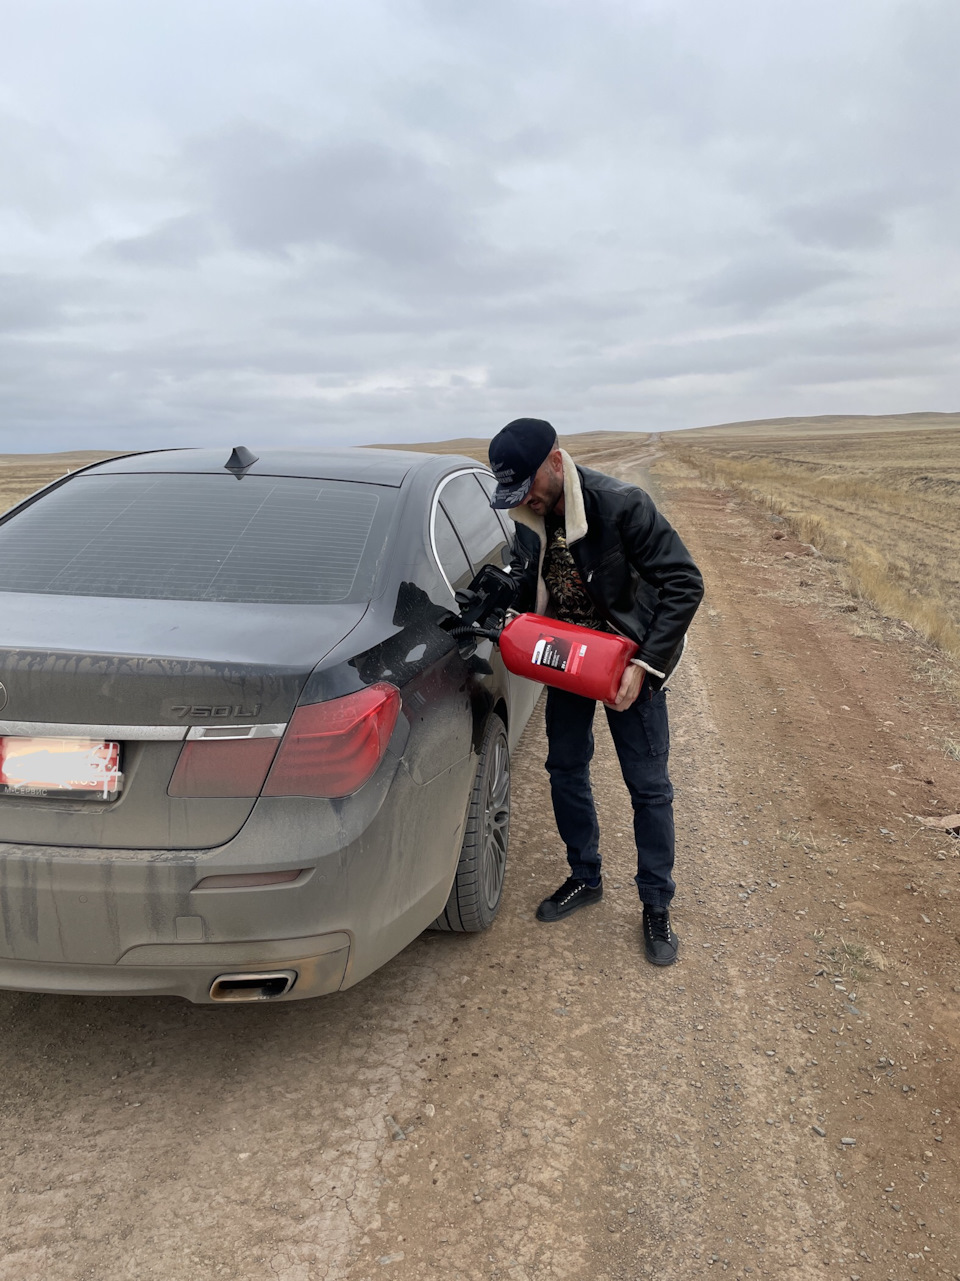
{"points": [[596, 551]]}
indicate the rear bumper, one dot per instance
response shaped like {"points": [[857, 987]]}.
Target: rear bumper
{"points": [[373, 876], [318, 965]]}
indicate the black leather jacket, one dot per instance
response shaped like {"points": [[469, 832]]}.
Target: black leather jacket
{"points": [[633, 564]]}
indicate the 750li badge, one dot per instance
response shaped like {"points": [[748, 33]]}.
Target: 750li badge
{"points": [[217, 711]]}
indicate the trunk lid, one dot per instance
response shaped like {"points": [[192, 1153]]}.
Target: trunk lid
{"points": [[143, 672]]}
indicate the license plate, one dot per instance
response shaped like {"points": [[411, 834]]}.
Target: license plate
{"points": [[60, 767]]}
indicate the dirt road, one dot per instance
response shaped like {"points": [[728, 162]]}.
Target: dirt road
{"points": [[538, 1102]]}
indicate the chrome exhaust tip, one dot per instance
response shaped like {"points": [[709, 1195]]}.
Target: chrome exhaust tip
{"points": [[252, 987]]}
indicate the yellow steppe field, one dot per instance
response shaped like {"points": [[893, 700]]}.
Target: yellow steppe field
{"points": [[880, 497], [21, 474]]}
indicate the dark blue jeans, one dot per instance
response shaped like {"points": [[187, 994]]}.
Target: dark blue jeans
{"points": [[642, 738]]}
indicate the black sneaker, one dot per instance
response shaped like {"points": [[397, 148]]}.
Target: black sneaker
{"points": [[659, 941], [571, 895]]}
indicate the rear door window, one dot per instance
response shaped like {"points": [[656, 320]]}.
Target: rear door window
{"points": [[267, 539], [450, 554], [488, 484], [469, 508]]}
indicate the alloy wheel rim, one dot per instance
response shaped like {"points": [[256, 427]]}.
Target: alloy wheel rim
{"points": [[496, 823]]}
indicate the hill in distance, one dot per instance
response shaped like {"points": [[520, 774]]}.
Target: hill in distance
{"points": [[824, 425]]}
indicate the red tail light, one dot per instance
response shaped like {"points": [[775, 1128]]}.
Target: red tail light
{"points": [[332, 749], [222, 767]]}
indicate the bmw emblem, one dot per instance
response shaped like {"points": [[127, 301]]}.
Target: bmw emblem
{"points": [[3, 697]]}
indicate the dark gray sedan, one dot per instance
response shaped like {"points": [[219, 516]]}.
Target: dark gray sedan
{"points": [[241, 756]]}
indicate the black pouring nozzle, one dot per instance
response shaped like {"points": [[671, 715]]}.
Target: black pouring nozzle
{"points": [[484, 604]]}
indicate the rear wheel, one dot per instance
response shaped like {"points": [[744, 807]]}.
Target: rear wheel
{"points": [[477, 887]]}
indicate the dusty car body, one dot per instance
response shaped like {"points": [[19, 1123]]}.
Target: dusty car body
{"points": [[240, 756]]}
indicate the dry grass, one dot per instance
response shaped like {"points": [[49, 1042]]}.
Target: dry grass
{"points": [[884, 506], [855, 960], [23, 474]]}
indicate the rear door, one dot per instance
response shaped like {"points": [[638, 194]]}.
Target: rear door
{"points": [[466, 501], [482, 539]]}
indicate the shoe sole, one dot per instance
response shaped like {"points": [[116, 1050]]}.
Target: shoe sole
{"points": [[552, 920]]}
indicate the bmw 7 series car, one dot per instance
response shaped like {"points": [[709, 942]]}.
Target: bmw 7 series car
{"points": [[241, 755]]}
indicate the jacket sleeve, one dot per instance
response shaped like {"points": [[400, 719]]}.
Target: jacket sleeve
{"points": [[655, 550], [524, 563]]}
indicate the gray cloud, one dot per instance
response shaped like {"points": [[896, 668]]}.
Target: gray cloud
{"points": [[851, 224], [176, 242], [31, 304], [362, 197], [754, 284], [418, 219]]}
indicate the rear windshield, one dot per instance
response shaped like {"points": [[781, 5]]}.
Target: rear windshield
{"points": [[195, 537]]}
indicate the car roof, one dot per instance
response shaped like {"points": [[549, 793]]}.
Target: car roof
{"points": [[372, 466]]}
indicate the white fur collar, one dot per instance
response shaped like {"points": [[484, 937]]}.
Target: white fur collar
{"points": [[574, 516]]}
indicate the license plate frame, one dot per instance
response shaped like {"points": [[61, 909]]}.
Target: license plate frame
{"points": [[60, 768]]}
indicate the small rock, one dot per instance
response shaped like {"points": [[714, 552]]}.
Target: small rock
{"points": [[393, 1129], [849, 1143], [819, 1130], [391, 1258]]}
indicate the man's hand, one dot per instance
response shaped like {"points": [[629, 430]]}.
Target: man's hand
{"points": [[629, 689]]}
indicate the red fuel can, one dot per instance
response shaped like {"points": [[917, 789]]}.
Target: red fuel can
{"points": [[577, 659]]}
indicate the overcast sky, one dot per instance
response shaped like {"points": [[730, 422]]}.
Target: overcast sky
{"points": [[283, 221]]}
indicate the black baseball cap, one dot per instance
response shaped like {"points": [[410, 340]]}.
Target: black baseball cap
{"points": [[516, 453]]}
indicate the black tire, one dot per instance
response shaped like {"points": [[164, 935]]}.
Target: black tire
{"points": [[478, 884]]}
